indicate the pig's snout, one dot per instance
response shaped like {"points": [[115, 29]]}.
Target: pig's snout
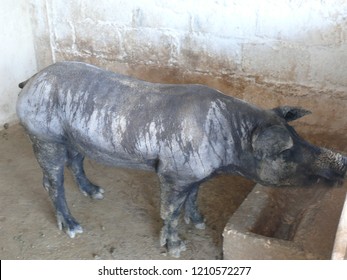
{"points": [[344, 160], [332, 167]]}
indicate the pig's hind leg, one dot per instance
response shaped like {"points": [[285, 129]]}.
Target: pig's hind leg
{"points": [[75, 163], [52, 158]]}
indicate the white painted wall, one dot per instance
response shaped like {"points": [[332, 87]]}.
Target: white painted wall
{"points": [[277, 41], [17, 56]]}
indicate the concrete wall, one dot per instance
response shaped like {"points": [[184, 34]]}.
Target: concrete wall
{"points": [[17, 56], [301, 42], [267, 52]]}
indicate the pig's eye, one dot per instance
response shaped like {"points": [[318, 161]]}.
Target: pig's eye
{"points": [[287, 153]]}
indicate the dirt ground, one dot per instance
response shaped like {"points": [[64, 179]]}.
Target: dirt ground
{"points": [[124, 225]]}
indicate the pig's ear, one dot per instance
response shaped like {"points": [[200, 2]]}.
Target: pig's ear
{"points": [[271, 141], [291, 113]]}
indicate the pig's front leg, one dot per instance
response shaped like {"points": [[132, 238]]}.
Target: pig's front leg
{"points": [[192, 213], [172, 201]]}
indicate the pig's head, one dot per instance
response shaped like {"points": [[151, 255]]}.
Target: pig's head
{"points": [[282, 157]]}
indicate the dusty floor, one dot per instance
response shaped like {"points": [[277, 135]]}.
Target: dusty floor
{"points": [[124, 225]]}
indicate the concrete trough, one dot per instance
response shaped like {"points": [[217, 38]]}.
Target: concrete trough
{"points": [[286, 223], [340, 245]]}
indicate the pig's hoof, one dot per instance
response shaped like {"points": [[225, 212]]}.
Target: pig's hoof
{"points": [[72, 232], [176, 247], [99, 194], [70, 226], [93, 191], [200, 225], [187, 219]]}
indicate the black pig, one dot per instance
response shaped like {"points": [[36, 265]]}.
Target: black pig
{"points": [[184, 133]]}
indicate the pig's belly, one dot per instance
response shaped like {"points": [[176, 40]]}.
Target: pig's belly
{"points": [[118, 159], [111, 152]]}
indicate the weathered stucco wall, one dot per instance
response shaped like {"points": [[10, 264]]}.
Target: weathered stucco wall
{"points": [[267, 52], [17, 56], [301, 42]]}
